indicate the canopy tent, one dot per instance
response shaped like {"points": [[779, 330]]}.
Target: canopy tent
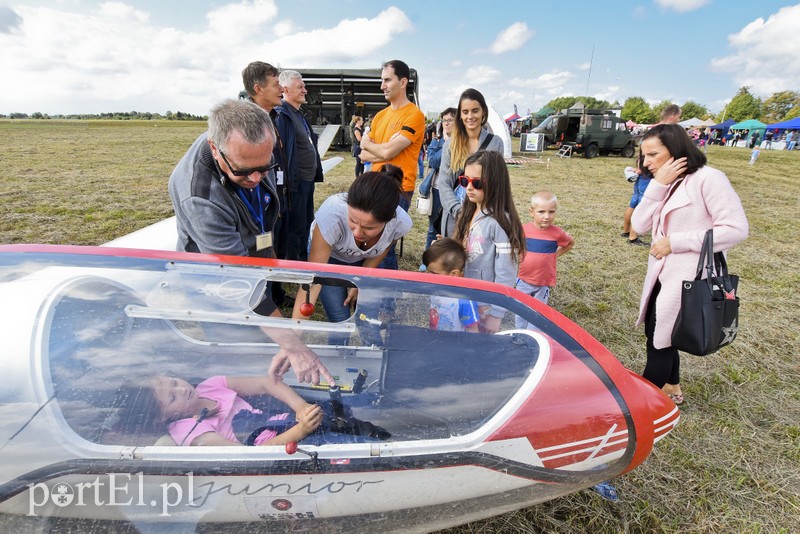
{"points": [[511, 117], [724, 126], [688, 123], [750, 124], [543, 113], [708, 122], [791, 124]]}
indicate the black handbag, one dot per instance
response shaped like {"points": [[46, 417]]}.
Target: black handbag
{"points": [[709, 315]]}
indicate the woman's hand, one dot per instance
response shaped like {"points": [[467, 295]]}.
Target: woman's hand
{"points": [[660, 248], [352, 297], [670, 171]]}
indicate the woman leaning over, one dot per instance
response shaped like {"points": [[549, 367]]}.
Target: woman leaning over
{"points": [[685, 198], [355, 228], [467, 137]]}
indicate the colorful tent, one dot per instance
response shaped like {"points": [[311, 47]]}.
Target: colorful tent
{"points": [[791, 124], [725, 125], [750, 124]]}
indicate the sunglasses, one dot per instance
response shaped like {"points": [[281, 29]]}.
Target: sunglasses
{"points": [[464, 181], [247, 172]]}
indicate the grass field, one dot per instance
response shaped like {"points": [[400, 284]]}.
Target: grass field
{"points": [[733, 464]]}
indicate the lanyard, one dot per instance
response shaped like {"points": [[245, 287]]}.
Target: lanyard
{"points": [[258, 216]]}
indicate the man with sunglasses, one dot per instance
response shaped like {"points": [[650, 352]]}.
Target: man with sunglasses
{"points": [[225, 202]]}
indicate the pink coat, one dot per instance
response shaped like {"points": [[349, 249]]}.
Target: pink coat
{"points": [[703, 200]]}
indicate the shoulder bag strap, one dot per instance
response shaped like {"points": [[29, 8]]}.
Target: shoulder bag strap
{"points": [[486, 141]]}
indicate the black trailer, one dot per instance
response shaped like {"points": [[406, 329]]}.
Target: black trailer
{"points": [[335, 95]]}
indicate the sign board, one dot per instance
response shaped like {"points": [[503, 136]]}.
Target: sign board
{"points": [[531, 142]]}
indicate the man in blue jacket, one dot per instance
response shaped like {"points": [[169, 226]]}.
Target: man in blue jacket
{"points": [[299, 167]]}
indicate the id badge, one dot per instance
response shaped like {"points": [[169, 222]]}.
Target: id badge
{"points": [[263, 240], [279, 177]]}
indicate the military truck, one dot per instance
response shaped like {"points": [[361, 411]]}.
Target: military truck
{"points": [[590, 132]]}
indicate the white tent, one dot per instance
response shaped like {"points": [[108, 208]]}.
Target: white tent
{"points": [[688, 123], [498, 127]]}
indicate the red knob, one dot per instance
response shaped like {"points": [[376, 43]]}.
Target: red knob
{"points": [[307, 309], [291, 447]]}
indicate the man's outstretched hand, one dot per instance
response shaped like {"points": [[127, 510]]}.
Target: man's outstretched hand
{"points": [[306, 364]]}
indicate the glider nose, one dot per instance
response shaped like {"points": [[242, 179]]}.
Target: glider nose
{"points": [[664, 413]]}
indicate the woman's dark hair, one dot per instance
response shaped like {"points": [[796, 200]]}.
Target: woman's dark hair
{"points": [[498, 201], [448, 111], [377, 192], [679, 145]]}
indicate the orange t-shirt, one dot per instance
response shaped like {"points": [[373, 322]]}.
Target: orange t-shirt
{"points": [[410, 122]]}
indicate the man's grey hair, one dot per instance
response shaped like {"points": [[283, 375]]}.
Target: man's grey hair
{"points": [[287, 76], [241, 116]]}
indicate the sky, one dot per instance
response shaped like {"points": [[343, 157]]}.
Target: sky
{"points": [[85, 56]]}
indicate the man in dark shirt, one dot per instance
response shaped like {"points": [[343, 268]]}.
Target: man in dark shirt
{"points": [[299, 165]]}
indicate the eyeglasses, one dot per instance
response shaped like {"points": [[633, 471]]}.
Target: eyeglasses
{"points": [[448, 120], [464, 181], [247, 172]]}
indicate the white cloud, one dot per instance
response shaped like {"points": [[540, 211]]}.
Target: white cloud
{"points": [[760, 60], [349, 39], [123, 12], [512, 38], [116, 60], [682, 6], [482, 74], [240, 21]]}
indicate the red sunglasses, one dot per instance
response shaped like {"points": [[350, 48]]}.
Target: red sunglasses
{"points": [[464, 181]]}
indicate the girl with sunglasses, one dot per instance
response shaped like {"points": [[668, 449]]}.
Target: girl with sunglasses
{"points": [[490, 228]]}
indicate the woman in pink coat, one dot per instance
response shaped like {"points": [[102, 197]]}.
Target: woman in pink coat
{"points": [[684, 199]]}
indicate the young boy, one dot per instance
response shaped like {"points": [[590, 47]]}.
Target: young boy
{"points": [[754, 155], [447, 257], [544, 243]]}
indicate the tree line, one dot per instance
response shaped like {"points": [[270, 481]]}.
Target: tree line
{"points": [[778, 107], [119, 115]]}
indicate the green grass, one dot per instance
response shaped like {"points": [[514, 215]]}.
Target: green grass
{"points": [[733, 464]]}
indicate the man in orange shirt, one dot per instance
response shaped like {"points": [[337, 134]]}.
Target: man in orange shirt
{"points": [[396, 135]]}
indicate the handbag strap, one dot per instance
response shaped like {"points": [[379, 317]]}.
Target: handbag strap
{"points": [[706, 259], [721, 266], [715, 265]]}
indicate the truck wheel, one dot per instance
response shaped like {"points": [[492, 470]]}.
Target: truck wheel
{"points": [[628, 151], [591, 151]]}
